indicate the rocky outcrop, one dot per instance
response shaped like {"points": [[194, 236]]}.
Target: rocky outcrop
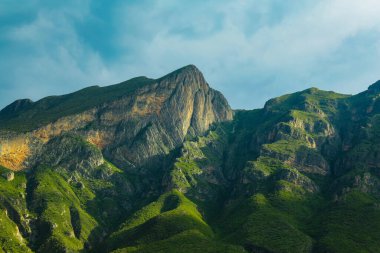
{"points": [[9, 176], [183, 105], [72, 153]]}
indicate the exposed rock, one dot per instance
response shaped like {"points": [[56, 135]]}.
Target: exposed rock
{"points": [[9, 176], [73, 153], [298, 179], [147, 123]]}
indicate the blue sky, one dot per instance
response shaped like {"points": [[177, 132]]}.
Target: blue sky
{"points": [[251, 50]]}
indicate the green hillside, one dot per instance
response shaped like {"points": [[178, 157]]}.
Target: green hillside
{"points": [[29, 117], [299, 175]]}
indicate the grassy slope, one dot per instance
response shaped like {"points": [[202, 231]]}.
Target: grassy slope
{"points": [[10, 239], [189, 241], [352, 225], [206, 152], [55, 107], [55, 202], [165, 224], [76, 212], [279, 215], [348, 225], [71, 210], [257, 223], [13, 194]]}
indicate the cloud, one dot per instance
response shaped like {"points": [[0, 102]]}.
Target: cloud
{"points": [[46, 56], [250, 50], [303, 47]]}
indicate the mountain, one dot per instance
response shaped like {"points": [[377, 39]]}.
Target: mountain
{"points": [[165, 165]]}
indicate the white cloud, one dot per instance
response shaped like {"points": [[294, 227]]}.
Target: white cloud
{"points": [[250, 50], [49, 57], [287, 55]]}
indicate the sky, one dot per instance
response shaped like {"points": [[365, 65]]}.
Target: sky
{"points": [[250, 50]]}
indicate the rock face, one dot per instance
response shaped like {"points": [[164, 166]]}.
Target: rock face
{"points": [[149, 121], [9, 176], [159, 165], [159, 118]]}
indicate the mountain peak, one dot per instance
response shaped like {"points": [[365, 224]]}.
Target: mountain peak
{"points": [[189, 76], [186, 71], [16, 106], [189, 68], [375, 87]]}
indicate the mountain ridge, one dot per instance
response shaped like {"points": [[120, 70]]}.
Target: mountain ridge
{"points": [[170, 167]]}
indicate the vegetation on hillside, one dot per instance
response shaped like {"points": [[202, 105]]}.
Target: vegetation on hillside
{"points": [[299, 175]]}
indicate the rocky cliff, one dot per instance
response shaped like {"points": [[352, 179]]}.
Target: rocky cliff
{"points": [[139, 120]]}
